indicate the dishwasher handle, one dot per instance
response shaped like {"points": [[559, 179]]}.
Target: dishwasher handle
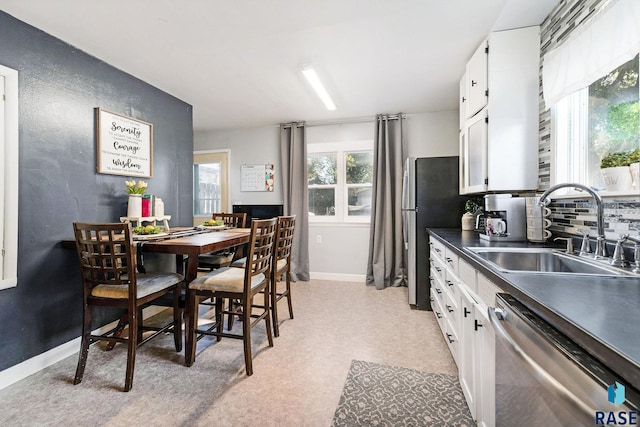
{"points": [[496, 315]]}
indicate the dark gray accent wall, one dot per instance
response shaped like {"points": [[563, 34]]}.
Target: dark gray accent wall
{"points": [[59, 87]]}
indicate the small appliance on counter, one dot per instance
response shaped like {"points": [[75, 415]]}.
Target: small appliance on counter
{"points": [[504, 218]]}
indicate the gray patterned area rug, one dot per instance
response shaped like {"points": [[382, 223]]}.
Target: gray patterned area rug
{"points": [[381, 395]]}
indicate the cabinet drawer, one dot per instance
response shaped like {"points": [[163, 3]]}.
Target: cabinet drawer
{"points": [[487, 291], [437, 248], [437, 267], [437, 285], [467, 275], [437, 309], [451, 260], [451, 336]]}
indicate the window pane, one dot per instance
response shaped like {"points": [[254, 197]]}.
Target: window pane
{"points": [[359, 167], [206, 178], [359, 201], [322, 201], [322, 169]]}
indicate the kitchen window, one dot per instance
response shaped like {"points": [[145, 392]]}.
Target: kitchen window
{"points": [[590, 123], [340, 181]]}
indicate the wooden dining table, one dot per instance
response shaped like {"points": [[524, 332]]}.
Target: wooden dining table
{"points": [[188, 248], [187, 244]]}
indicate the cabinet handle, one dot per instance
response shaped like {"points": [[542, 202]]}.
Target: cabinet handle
{"points": [[451, 340], [438, 269], [449, 260], [449, 309], [464, 99], [438, 315], [449, 282], [431, 299], [477, 325], [473, 82], [437, 250], [466, 311], [438, 290]]}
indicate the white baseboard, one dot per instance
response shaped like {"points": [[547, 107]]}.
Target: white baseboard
{"points": [[31, 366], [360, 278]]}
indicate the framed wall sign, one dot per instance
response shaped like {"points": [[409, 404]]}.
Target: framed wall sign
{"points": [[124, 145]]}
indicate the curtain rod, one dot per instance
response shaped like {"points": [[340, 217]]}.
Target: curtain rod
{"points": [[346, 121]]}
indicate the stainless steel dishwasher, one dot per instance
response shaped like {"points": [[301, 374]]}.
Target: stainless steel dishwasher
{"points": [[545, 379]]}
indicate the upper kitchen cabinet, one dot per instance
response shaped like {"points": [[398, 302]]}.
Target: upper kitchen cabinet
{"points": [[499, 136], [477, 80]]}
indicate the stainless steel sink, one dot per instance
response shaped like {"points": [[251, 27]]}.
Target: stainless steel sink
{"points": [[542, 260]]}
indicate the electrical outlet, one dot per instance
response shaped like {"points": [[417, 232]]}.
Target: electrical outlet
{"points": [[318, 238]]}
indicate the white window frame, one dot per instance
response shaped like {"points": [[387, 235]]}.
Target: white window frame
{"points": [[341, 187], [212, 156], [9, 180]]}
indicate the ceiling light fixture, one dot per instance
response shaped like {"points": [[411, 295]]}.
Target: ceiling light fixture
{"points": [[313, 79]]}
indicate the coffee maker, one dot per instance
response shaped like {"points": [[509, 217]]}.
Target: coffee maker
{"points": [[504, 218]]}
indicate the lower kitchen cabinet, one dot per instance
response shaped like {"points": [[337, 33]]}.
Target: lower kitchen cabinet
{"points": [[460, 307]]}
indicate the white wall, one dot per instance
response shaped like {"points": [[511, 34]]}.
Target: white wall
{"points": [[336, 251]]}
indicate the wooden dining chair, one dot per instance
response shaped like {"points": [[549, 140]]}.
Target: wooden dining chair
{"points": [[109, 279], [280, 268], [223, 258], [238, 284]]}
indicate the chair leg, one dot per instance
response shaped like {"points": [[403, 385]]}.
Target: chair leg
{"points": [[122, 322], [220, 316], [84, 345], [246, 335], [131, 350], [177, 319], [267, 318], [288, 281], [231, 317], [274, 305], [191, 323]]}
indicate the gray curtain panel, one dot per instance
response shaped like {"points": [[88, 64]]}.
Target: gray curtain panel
{"points": [[293, 154], [386, 262]]}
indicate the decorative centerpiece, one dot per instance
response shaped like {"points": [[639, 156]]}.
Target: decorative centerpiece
{"points": [[135, 191]]}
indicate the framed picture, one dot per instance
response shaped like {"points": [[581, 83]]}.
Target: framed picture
{"points": [[124, 145]]}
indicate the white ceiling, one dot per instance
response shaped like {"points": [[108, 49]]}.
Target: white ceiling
{"points": [[237, 62]]}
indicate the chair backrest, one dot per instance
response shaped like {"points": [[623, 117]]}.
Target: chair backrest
{"points": [[260, 256], [106, 255], [235, 220], [284, 237]]}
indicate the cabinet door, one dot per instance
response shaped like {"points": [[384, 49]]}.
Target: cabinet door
{"points": [[477, 80], [463, 100], [466, 365], [485, 368], [475, 154]]}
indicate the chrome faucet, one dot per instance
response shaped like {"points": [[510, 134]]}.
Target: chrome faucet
{"points": [[601, 249]]}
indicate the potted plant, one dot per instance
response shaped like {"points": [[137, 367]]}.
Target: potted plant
{"points": [[615, 170], [471, 208]]}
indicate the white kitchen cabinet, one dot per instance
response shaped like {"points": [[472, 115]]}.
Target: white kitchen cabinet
{"points": [[463, 100], [460, 297], [477, 82], [501, 147]]}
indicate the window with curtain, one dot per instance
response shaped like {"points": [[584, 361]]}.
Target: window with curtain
{"points": [[339, 181], [601, 121]]}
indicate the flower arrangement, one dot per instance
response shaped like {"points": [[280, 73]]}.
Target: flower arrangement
{"points": [[133, 188]]}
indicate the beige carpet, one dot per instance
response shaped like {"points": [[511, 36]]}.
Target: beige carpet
{"points": [[298, 382]]}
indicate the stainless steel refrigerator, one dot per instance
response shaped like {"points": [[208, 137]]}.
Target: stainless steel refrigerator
{"points": [[430, 199]]}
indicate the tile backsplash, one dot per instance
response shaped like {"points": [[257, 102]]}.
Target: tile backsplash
{"points": [[621, 216]]}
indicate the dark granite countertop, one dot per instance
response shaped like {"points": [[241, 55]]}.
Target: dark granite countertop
{"points": [[601, 314]]}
